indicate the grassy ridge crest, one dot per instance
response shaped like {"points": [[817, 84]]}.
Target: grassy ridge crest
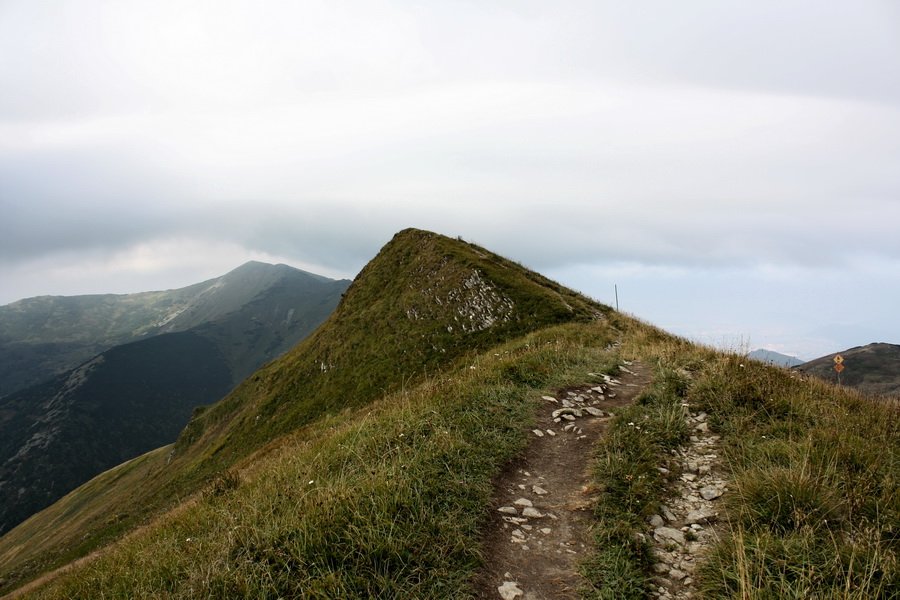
{"points": [[426, 304]]}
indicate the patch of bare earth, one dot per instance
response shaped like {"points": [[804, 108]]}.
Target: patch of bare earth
{"points": [[540, 521]]}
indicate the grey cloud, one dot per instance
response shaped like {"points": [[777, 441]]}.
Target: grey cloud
{"points": [[85, 199]]}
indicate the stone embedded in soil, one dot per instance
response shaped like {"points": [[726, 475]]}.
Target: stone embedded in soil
{"points": [[711, 492], [532, 512], [510, 590], [668, 533], [537, 432], [523, 502], [656, 521], [700, 516], [515, 520], [539, 490], [508, 510]]}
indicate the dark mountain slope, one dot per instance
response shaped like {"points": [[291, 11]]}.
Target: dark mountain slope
{"points": [[873, 369], [288, 306], [123, 403], [425, 304], [44, 336]]}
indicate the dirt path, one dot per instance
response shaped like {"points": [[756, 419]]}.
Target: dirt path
{"points": [[540, 523]]}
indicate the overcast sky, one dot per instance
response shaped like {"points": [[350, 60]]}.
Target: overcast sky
{"points": [[734, 168]]}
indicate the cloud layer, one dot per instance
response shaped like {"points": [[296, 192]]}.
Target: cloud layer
{"points": [[705, 143]]}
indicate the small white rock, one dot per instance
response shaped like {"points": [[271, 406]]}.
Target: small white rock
{"points": [[510, 590]]}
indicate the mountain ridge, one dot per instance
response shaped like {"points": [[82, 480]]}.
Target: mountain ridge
{"points": [[363, 463], [424, 303], [48, 335]]}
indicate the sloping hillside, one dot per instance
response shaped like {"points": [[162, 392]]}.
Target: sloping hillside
{"points": [[362, 464], [135, 397], [873, 369], [424, 304], [123, 403]]}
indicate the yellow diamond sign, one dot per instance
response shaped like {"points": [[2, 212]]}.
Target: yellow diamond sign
{"points": [[838, 359]]}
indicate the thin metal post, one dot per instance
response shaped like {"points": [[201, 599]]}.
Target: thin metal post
{"points": [[617, 296]]}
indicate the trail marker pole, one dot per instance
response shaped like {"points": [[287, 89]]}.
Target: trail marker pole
{"points": [[616, 286], [839, 366]]}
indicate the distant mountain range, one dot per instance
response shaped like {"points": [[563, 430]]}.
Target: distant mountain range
{"points": [[162, 354], [775, 358], [873, 369], [49, 335]]}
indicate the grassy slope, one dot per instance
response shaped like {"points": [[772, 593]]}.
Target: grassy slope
{"points": [[381, 495], [873, 369], [380, 502], [814, 509], [424, 305]]}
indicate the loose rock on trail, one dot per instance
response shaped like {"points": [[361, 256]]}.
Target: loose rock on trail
{"points": [[540, 522]]}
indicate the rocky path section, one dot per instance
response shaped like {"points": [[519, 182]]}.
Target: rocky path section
{"points": [[541, 519], [690, 521]]}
